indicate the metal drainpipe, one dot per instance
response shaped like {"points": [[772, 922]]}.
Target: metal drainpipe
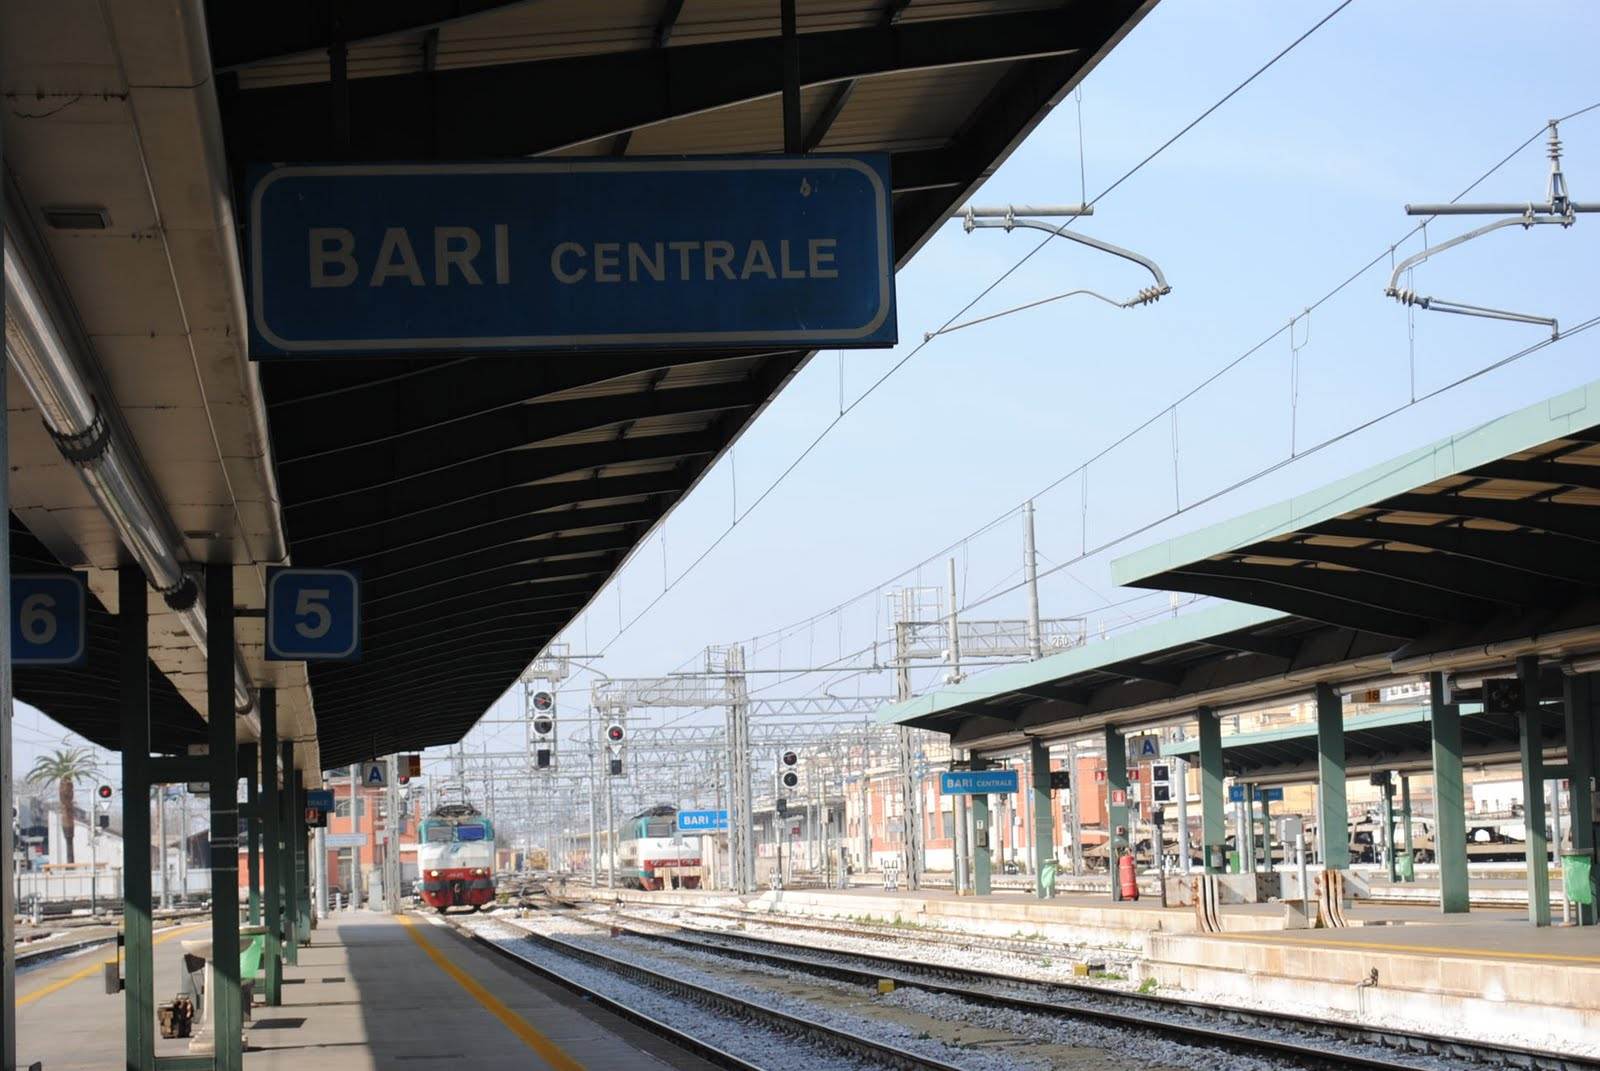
{"points": [[52, 367]]}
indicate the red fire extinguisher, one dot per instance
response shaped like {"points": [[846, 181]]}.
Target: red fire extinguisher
{"points": [[1127, 878]]}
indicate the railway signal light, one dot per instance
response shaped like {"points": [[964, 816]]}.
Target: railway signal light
{"points": [[104, 792], [615, 734], [543, 701], [1160, 783], [788, 776]]}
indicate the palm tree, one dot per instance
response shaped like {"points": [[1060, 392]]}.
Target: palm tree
{"points": [[65, 767]]}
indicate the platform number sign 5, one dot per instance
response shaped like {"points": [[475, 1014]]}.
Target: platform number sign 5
{"points": [[313, 615], [48, 618]]}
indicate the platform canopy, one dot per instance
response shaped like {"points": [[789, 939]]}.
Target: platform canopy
{"points": [[1483, 541], [1457, 557], [1220, 655], [486, 499], [1388, 740]]}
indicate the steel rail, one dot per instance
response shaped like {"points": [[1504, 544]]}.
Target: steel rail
{"points": [[1138, 1006], [841, 1040]]}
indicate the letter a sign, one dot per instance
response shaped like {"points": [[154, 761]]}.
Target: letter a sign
{"points": [[1144, 748], [373, 775]]}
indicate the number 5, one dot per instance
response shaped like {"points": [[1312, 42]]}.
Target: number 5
{"points": [[38, 618], [313, 603]]}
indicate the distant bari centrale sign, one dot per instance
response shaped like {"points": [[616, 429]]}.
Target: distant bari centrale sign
{"points": [[571, 254]]}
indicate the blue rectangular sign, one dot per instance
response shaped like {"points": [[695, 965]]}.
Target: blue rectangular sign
{"points": [[702, 821], [319, 799], [313, 615], [48, 619], [977, 782], [1268, 795], [571, 254]]}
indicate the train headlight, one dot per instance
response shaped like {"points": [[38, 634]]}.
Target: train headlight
{"points": [[433, 873]]}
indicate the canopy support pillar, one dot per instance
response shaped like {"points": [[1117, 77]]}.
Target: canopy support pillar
{"points": [[1537, 847], [1213, 812], [1449, 800], [1333, 814], [1116, 813]]}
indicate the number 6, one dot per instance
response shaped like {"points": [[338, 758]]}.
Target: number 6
{"points": [[38, 618]]}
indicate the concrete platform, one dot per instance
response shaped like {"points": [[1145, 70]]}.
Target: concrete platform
{"points": [[371, 992], [1486, 974]]}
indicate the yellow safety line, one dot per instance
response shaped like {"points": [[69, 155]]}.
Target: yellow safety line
{"points": [[60, 984], [548, 1050], [1436, 950]]}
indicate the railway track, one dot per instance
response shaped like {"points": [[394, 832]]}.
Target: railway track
{"points": [[851, 1045], [1300, 1040]]}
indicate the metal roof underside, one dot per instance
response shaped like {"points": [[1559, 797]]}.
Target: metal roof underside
{"points": [[486, 499], [1483, 537], [1395, 740]]}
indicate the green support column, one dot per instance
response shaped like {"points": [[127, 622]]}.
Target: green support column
{"points": [[1044, 845], [272, 840], [1405, 823], [1333, 816], [1579, 716], [1449, 800], [1266, 834], [983, 838], [133, 631], [1116, 814], [302, 863], [1213, 805], [249, 766], [228, 1016], [1536, 844], [1388, 828], [288, 876]]}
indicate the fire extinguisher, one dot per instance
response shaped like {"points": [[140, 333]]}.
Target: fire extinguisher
{"points": [[1127, 877]]}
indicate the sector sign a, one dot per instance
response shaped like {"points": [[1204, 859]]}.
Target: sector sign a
{"points": [[571, 254]]}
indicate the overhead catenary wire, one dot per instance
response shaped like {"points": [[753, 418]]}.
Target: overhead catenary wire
{"points": [[983, 293]]}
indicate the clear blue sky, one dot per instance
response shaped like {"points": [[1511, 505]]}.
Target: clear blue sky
{"points": [[1256, 214]]}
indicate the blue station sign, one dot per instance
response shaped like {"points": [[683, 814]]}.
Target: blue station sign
{"points": [[49, 619], [1262, 795], [313, 615], [978, 782], [319, 799], [571, 254], [702, 821]]}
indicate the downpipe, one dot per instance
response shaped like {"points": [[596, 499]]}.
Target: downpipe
{"points": [[52, 368]]}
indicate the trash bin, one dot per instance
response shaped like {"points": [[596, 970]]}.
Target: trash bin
{"points": [[1405, 866], [1047, 878], [1579, 876], [1217, 858]]}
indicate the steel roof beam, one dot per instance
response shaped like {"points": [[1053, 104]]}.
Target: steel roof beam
{"points": [[1564, 474], [1278, 595], [1537, 553], [1284, 647], [446, 490], [489, 667], [1579, 522], [493, 518], [529, 618], [425, 662], [412, 544], [1386, 594], [482, 111], [1508, 587], [478, 595], [523, 569], [355, 415], [420, 568], [331, 474], [410, 596], [522, 599], [244, 34]]}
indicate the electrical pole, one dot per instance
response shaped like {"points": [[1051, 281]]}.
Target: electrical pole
{"points": [[910, 788], [594, 803], [391, 839], [1030, 573], [355, 827], [161, 838], [960, 804]]}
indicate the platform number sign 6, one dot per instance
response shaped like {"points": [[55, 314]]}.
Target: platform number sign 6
{"points": [[313, 615], [48, 617]]}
